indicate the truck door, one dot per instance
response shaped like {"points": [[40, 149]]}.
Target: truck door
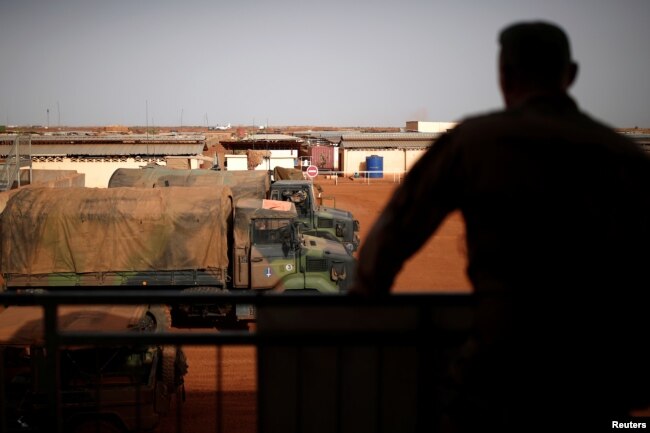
{"points": [[272, 254]]}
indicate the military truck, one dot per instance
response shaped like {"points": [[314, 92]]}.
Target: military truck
{"points": [[288, 185], [196, 239], [317, 220], [101, 389]]}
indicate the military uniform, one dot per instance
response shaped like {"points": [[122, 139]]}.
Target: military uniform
{"points": [[557, 221]]}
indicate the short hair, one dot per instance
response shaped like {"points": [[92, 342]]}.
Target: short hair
{"points": [[537, 53]]}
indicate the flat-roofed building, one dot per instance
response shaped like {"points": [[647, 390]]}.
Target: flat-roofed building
{"points": [[98, 155], [431, 127], [398, 150]]}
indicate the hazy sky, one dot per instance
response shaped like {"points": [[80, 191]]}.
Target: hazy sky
{"points": [[302, 62]]}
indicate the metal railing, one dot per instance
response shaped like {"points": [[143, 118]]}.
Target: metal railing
{"points": [[317, 355], [366, 176]]}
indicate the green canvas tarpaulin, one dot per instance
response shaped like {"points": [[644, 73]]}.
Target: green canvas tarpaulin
{"points": [[80, 230], [244, 184]]}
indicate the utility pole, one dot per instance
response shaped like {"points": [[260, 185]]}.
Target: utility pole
{"points": [[146, 110]]}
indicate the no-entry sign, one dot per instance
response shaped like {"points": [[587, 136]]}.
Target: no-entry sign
{"points": [[312, 171]]}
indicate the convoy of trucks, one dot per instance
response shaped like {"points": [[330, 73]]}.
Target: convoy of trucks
{"points": [[196, 239], [202, 231], [316, 220]]}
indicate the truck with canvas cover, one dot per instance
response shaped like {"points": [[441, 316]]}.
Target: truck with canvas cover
{"points": [[194, 239], [244, 184], [289, 185], [100, 388]]}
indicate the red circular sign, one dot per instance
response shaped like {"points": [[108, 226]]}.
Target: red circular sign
{"points": [[312, 171]]}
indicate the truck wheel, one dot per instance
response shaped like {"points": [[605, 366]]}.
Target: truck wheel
{"points": [[161, 317], [174, 367]]}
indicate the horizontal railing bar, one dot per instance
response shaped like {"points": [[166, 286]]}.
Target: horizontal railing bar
{"points": [[347, 338], [98, 295]]}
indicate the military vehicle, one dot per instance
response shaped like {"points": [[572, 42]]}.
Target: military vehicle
{"points": [[288, 185], [196, 239], [243, 184], [317, 220], [101, 389]]}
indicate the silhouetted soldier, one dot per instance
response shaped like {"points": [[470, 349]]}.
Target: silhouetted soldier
{"points": [[557, 220]]}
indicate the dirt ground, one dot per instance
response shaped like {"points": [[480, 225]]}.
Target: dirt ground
{"points": [[438, 267]]}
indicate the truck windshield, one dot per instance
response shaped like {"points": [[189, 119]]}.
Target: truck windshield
{"points": [[271, 231], [299, 197]]}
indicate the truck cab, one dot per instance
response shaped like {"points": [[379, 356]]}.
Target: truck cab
{"points": [[317, 220], [271, 253]]}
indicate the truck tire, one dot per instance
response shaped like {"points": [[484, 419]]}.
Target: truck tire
{"points": [[161, 316], [174, 367]]}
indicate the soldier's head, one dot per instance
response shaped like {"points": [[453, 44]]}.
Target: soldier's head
{"points": [[535, 57]]}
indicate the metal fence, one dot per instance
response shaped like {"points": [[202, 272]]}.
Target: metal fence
{"points": [[325, 363], [18, 155], [368, 176]]}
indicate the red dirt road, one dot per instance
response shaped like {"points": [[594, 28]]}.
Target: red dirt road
{"points": [[438, 267]]}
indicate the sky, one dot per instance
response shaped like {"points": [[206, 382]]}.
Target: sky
{"points": [[300, 62]]}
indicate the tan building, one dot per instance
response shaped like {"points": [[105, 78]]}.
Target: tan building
{"points": [[396, 151], [97, 156], [271, 150], [430, 127]]}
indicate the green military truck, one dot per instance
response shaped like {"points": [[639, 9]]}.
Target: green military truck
{"points": [[196, 239], [100, 389], [316, 220]]}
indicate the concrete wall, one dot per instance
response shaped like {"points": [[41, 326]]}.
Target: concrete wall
{"points": [[45, 178], [97, 172], [412, 156], [279, 158], [419, 126], [54, 178]]}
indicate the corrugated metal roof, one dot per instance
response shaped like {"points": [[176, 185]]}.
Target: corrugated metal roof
{"points": [[123, 149], [324, 134], [271, 137], [399, 140], [383, 136], [390, 144], [111, 139]]}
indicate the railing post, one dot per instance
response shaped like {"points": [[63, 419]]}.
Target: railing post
{"points": [[52, 366], [426, 360]]}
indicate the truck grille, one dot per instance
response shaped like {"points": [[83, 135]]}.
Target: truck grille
{"points": [[316, 265]]}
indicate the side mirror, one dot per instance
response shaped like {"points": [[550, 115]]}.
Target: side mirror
{"points": [[300, 226]]}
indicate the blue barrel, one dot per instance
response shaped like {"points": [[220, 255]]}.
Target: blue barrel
{"points": [[375, 165]]}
